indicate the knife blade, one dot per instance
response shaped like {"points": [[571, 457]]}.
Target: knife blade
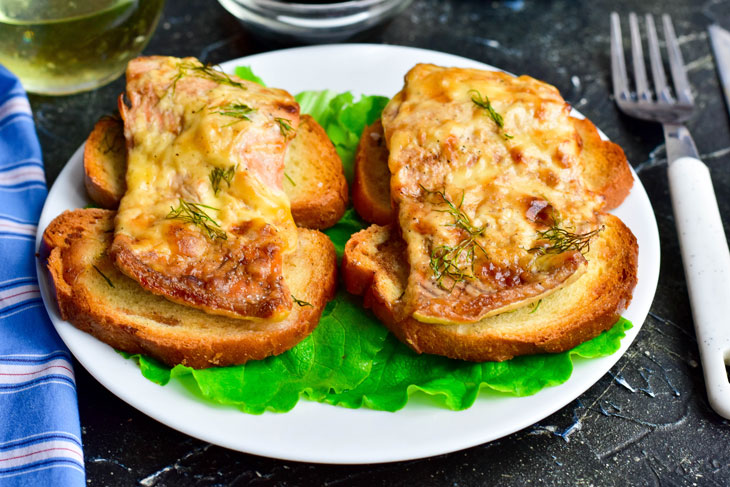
{"points": [[720, 39]]}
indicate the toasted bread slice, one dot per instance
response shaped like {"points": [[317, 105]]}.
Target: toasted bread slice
{"points": [[314, 182], [605, 171], [93, 295], [375, 266], [371, 184], [313, 177], [605, 168], [105, 162]]}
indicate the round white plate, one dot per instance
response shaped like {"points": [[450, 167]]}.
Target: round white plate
{"points": [[321, 433]]}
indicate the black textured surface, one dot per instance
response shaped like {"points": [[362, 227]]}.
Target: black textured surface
{"points": [[645, 423]]}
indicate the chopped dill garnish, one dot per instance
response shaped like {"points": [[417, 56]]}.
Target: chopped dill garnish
{"points": [[445, 261], [218, 174], [483, 102], [290, 179], [301, 303], [182, 70], [203, 71], [108, 281], [561, 240], [235, 110], [536, 306], [284, 126], [194, 213], [207, 71]]}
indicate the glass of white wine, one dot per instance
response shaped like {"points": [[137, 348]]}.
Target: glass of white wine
{"points": [[58, 47]]}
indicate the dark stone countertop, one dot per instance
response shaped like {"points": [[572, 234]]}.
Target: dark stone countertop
{"points": [[647, 422]]}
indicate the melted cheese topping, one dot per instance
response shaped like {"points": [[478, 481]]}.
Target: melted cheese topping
{"points": [[184, 124], [450, 160]]}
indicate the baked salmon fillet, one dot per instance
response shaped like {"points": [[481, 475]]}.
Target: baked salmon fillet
{"points": [[204, 221], [485, 182]]}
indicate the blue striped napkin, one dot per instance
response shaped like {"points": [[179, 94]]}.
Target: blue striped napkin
{"points": [[40, 442]]}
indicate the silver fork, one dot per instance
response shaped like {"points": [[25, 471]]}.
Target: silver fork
{"points": [[702, 240]]}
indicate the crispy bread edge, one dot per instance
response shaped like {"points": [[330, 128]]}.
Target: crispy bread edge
{"points": [[104, 165], [608, 175], [322, 201], [371, 185]]}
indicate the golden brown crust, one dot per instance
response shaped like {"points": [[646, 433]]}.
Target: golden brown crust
{"points": [[317, 190], [605, 168], [458, 306], [314, 179], [243, 280], [371, 185], [105, 162], [131, 319], [373, 265]]}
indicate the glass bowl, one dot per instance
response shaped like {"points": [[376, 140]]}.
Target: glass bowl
{"points": [[58, 47], [312, 22]]}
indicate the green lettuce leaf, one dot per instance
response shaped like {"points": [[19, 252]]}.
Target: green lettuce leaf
{"points": [[245, 72], [342, 230], [342, 118], [398, 372], [336, 357], [350, 360]]}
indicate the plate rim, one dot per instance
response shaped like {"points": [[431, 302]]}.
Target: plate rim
{"points": [[308, 409]]}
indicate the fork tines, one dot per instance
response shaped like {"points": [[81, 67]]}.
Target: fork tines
{"points": [[643, 94]]}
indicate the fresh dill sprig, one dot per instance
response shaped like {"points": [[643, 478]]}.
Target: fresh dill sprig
{"points": [[203, 71], [445, 260], [461, 219], [194, 213], [301, 303], [290, 179], [208, 71], [483, 102], [108, 281], [561, 240], [218, 174], [235, 110], [284, 126]]}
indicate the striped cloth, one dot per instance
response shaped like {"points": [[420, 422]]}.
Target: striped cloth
{"points": [[40, 441]]}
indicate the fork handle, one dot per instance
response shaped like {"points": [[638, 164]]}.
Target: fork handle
{"points": [[707, 270]]}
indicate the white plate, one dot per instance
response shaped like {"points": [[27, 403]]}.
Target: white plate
{"points": [[321, 433]]}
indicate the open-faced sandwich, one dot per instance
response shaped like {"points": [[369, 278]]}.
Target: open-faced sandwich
{"points": [[491, 237], [206, 260]]}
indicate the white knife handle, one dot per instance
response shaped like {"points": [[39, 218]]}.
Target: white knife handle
{"points": [[707, 270]]}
